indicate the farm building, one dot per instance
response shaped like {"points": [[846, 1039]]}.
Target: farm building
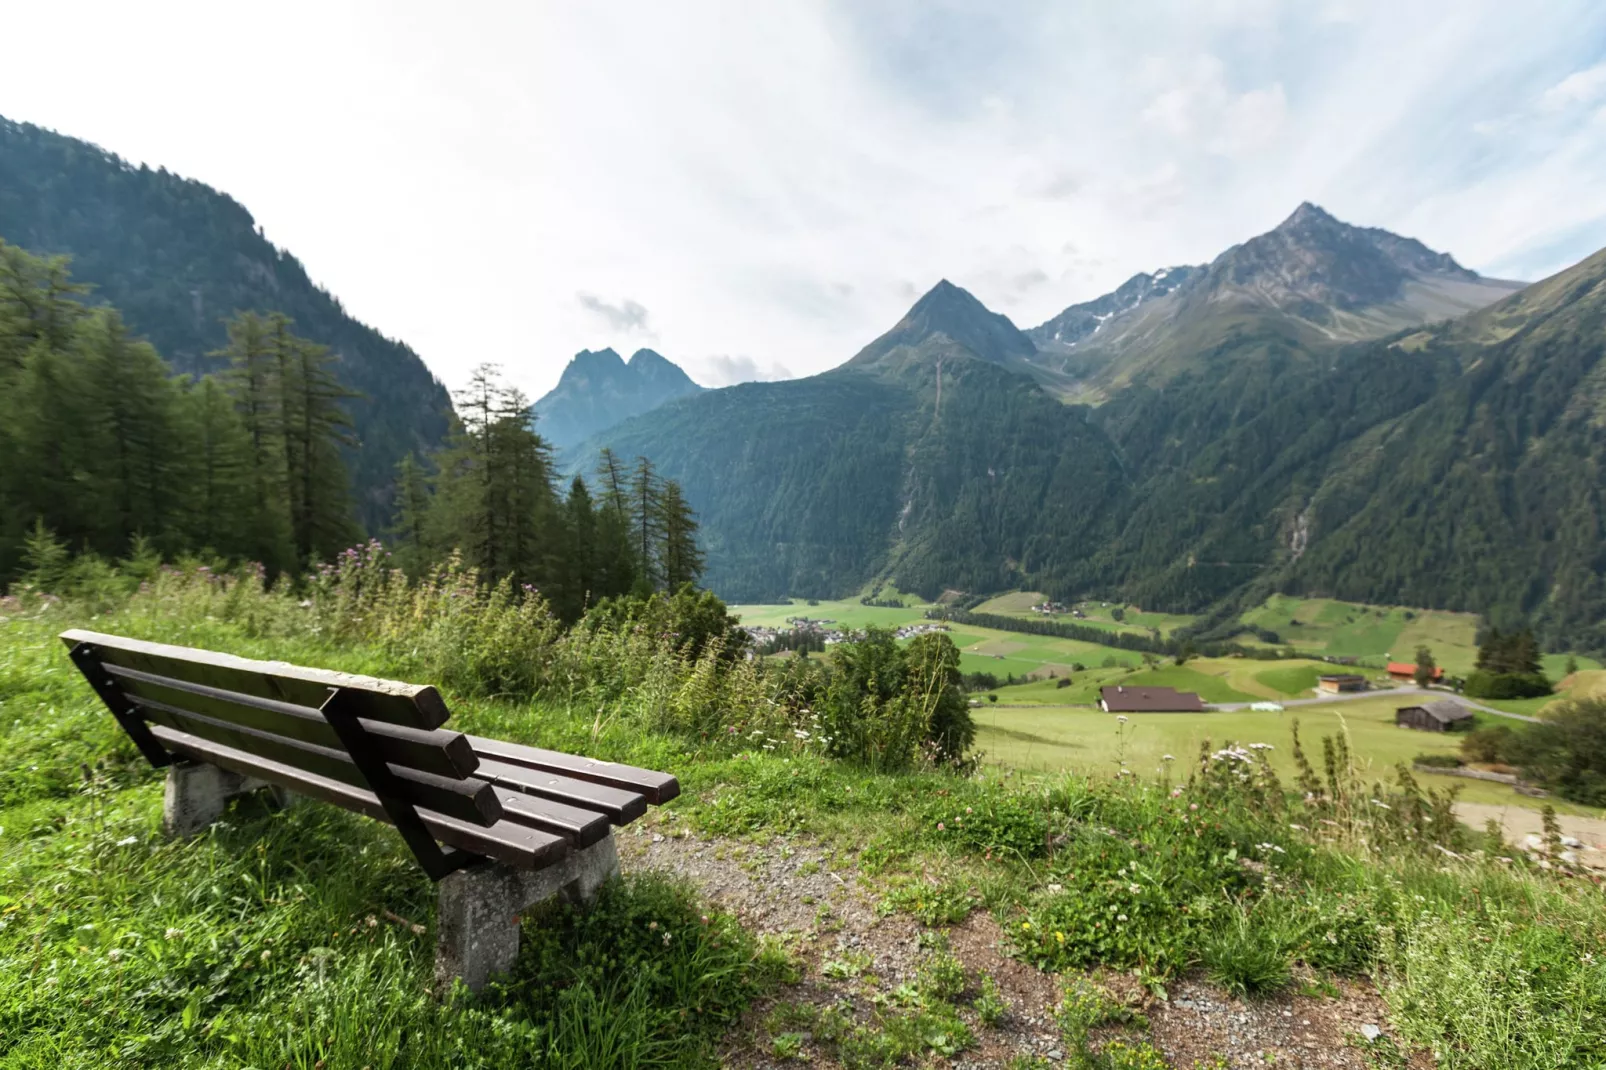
{"points": [[1406, 670], [1335, 682], [1441, 716], [1121, 699]]}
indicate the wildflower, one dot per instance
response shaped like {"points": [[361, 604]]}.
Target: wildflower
{"points": [[1059, 936], [128, 841], [1055, 889], [1193, 806], [1120, 917], [940, 827], [1121, 718], [114, 954], [1133, 888], [967, 810], [1175, 792], [1167, 758], [1381, 804], [1026, 925], [266, 955], [667, 938], [652, 926]]}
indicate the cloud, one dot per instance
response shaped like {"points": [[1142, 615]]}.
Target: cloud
{"points": [[797, 209], [1195, 105], [1580, 87], [723, 370], [627, 316]]}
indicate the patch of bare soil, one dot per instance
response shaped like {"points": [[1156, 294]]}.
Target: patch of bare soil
{"points": [[813, 900], [1520, 822]]}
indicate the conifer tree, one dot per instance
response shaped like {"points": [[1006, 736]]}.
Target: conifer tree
{"points": [[682, 560], [216, 498], [253, 381], [410, 527], [647, 524]]}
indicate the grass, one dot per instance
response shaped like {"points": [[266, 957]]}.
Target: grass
{"points": [[1095, 614], [266, 942], [1083, 740], [1326, 626]]}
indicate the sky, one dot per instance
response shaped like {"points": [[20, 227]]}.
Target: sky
{"points": [[758, 190]]}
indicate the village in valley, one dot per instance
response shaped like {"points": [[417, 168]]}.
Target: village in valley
{"points": [[1038, 699]]}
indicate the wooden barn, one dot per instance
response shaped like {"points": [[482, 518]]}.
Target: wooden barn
{"points": [[1333, 683], [1121, 699], [1442, 716]]}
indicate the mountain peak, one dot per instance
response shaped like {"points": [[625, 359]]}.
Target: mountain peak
{"points": [[1308, 214], [1313, 257], [950, 317], [598, 389]]}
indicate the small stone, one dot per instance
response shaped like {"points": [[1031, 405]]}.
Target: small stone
{"points": [[1370, 1032], [657, 838], [1055, 1054]]}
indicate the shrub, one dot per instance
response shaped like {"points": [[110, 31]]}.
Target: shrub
{"points": [[1437, 761], [1566, 752], [1488, 744], [888, 705], [1482, 683]]}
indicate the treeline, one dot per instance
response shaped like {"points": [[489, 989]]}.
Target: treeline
{"points": [[1179, 646], [103, 447], [1147, 644], [491, 496]]}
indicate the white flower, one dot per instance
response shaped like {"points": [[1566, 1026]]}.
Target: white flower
{"points": [[128, 841], [174, 934], [1055, 889], [1121, 718], [1120, 917], [1167, 758], [114, 954]]}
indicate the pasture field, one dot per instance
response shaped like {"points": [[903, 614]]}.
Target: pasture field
{"points": [[1096, 614], [1083, 740]]}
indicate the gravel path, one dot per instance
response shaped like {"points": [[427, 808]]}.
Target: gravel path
{"points": [[813, 899]]}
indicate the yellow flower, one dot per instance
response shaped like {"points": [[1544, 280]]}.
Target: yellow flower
{"points": [[1025, 925], [1059, 936]]}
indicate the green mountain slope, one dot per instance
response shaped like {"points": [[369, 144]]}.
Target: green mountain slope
{"points": [[599, 389], [177, 257], [924, 461]]}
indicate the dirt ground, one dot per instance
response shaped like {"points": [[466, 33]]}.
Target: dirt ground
{"points": [[800, 892], [1519, 822]]}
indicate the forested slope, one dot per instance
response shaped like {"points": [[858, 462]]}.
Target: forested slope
{"points": [[178, 258]]}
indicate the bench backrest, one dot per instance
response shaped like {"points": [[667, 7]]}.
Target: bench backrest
{"points": [[361, 742]]}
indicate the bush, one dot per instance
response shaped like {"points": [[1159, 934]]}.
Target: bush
{"points": [[1505, 685], [1566, 752], [888, 705], [1437, 761], [1488, 745]]}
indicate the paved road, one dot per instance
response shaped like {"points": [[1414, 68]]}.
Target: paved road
{"points": [[1397, 692]]}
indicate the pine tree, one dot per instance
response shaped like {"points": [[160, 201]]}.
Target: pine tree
{"points": [[253, 381], [647, 525], [132, 404], [316, 427], [682, 559], [410, 526], [217, 474]]}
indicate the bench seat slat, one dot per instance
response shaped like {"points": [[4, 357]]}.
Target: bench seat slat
{"points": [[621, 807], [386, 700], [513, 842], [466, 800], [433, 751], [582, 827], [658, 788]]}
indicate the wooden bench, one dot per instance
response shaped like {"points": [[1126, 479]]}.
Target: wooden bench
{"points": [[499, 825]]}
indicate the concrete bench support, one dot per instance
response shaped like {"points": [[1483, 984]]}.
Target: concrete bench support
{"points": [[197, 792], [478, 918]]}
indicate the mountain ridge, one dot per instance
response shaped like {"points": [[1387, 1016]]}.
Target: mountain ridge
{"points": [[177, 257], [598, 389]]}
